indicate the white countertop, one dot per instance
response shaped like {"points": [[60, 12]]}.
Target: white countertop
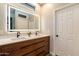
{"points": [[9, 40]]}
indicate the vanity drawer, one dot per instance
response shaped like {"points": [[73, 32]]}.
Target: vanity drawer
{"points": [[42, 50], [36, 52], [30, 48]]}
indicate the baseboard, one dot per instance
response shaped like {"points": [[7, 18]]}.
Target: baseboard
{"points": [[52, 53]]}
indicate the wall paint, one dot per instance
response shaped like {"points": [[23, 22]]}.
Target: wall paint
{"points": [[2, 18]]}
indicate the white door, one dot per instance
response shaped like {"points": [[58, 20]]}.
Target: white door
{"points": [[76, 30], [67, 30]]}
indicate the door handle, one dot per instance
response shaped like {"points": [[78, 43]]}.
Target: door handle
{"points": [[56, 35]]}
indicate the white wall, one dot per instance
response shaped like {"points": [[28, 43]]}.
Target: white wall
{"points": [[2, 18]]}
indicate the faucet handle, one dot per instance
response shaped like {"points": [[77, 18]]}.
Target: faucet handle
{"points": [[36, 33], [18, 34]]}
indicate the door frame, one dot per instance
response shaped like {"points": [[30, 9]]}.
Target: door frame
{"points": [[54, 22]]}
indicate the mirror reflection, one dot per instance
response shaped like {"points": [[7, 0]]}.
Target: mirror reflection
{"points": [[19, 20]]}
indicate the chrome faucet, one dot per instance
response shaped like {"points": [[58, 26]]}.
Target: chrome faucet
{"points": [[18, 34], [36, 33]]}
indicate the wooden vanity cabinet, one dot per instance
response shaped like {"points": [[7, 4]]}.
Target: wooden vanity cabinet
{"points": [[34, 47]]}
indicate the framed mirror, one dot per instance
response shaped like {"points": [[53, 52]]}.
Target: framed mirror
{"points": [[20, 20]]}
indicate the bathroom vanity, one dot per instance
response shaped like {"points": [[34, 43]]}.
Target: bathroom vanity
{"points": [[22, 18], [28, 47]]}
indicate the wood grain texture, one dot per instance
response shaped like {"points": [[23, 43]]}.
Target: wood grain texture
{"points": [[34, 47]]}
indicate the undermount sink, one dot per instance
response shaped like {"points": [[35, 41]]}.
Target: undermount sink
{"points": [[24, 37], [19, 38]]}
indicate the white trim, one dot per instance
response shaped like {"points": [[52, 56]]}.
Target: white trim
{"points": [[52, 53]]}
